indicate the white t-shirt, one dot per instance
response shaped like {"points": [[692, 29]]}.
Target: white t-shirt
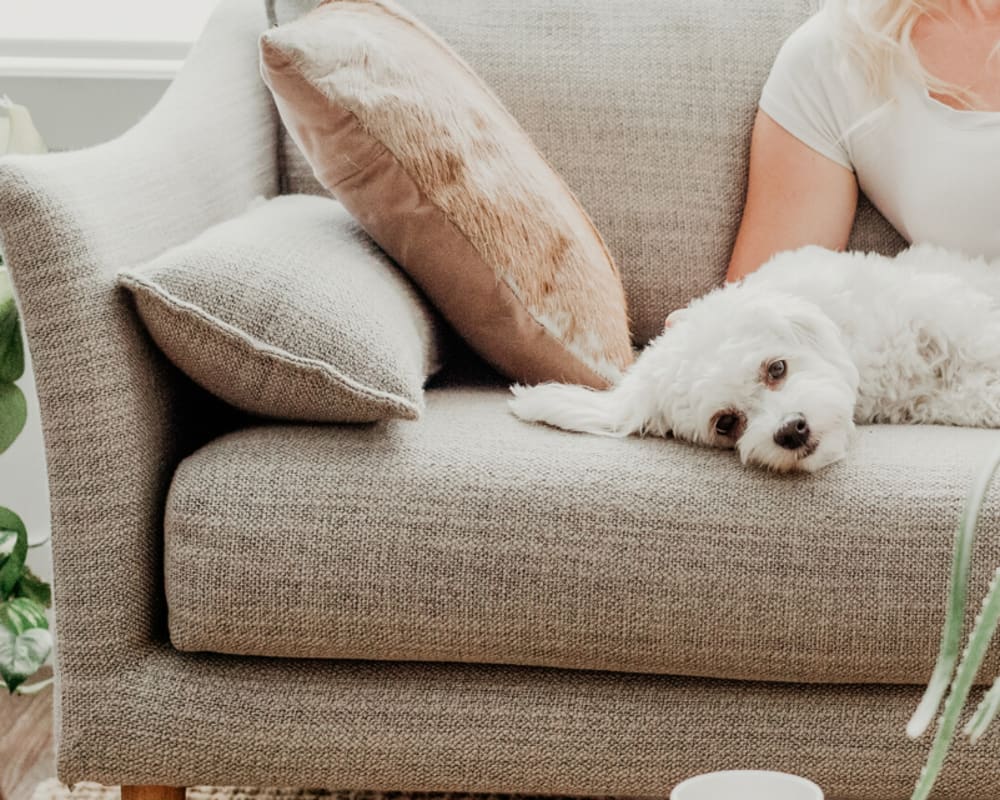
{"points": [[932, 170]]}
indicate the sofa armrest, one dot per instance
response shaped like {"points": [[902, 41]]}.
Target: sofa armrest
{"points": [[116, 417]]}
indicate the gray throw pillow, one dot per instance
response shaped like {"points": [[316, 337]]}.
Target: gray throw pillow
{"points": [[291, 311]]}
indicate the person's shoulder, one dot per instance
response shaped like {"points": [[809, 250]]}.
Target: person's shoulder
{"points": [[816, 59], [812, 92], [812, 45]]}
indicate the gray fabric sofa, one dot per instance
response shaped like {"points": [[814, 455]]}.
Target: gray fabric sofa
{"points": [[467, 603]]}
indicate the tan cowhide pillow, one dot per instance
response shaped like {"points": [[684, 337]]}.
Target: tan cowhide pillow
{"points": [[402, 131]]}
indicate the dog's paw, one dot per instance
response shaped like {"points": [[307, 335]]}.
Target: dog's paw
{"points": [[570, 407], [524, 404]]}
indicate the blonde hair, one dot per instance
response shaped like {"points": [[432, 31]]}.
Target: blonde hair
{"points": [[877, 35]]}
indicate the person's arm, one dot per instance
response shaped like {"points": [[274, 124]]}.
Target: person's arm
{"points": [[795, 197]]}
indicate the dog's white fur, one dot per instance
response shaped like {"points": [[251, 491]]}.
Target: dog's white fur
{"points": [[865, 339]]}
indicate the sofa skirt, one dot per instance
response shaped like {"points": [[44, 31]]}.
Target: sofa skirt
{"points": [[187, 719]]}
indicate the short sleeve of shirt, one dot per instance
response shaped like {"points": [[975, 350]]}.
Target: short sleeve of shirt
{"points": [[809, 95]]}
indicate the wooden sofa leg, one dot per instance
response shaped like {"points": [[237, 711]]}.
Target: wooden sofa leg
{"points": [[153, 792]]}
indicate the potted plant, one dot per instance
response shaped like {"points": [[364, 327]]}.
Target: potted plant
{"points": [[25, 640]]}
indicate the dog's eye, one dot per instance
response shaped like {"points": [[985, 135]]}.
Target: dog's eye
{"points": [[726, 424], [776, 370]]}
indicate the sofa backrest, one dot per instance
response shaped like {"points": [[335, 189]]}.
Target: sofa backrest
{"points": [[644, 107]]}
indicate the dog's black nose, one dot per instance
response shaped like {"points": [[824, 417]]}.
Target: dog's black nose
{"points": [[793, 433]]}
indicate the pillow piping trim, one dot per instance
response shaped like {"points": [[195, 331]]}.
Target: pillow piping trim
{"points": [[406, 408]]}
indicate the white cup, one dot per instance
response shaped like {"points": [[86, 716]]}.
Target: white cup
{"points": [[746, 785]]}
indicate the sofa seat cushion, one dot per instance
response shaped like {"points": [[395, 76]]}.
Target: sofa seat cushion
{"points": [[473, 537]]}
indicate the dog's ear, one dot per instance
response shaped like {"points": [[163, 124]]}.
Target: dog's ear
{"points": [[813, 328], [809, 325]]}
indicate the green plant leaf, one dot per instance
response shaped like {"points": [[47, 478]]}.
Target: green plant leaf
{"points": [[975, 652], [35, 688], [951, 631], [12, 358], [21, 614], [34, 588], [12, 567], [985, 713], [11, 345], [13, 414], [8, 540], [25, 641], [982, 634]]}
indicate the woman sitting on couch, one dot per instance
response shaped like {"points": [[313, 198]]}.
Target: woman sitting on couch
{"points": [[899, 97]]}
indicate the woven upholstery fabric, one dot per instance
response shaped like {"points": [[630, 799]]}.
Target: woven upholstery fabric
{"points": [[129, 708], [404, 542], [291, 311], [645, 109], [198, 720]]}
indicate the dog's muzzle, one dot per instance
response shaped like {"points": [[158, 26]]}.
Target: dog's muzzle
{"points": [[793, 432]]}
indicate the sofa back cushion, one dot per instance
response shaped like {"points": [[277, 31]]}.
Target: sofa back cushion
{"points": [[645, 108]]}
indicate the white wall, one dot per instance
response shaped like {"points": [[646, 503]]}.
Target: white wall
{"points": [[72, 112], [129, 26], [89, 70]]}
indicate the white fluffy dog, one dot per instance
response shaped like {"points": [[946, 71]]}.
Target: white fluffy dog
{"points": [[782, 364]]}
